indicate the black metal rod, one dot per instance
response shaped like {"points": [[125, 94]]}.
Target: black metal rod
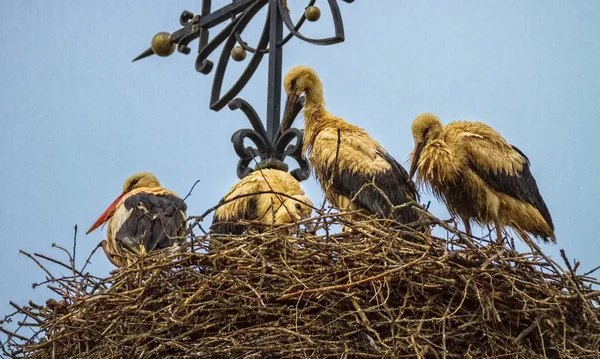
{"points": [[267, 143], [203, 31], [218, 16], [275, 60]]}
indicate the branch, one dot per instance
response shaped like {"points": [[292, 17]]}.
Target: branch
{"points": [[353, 284]]}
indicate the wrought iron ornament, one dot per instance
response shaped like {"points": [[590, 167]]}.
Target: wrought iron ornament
{"points": [[271, 146]]}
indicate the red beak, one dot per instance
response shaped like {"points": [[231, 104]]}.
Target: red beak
{"points": [[106, 215]]}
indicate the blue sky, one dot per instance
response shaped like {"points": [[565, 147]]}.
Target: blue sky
{"points": [[77, 117]]}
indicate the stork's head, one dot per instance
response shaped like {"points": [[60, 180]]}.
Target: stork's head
{"points": [[138, 180], [298, 80], [295, 209], [425, 128]]}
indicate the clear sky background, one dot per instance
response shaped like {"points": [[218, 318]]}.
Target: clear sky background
{"points": [[77, 117]]}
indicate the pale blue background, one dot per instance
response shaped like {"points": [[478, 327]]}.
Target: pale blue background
{"points": [[77, 117]]}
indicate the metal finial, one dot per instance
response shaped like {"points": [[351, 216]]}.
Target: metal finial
{"points": [[269, 147], [143, 55]]}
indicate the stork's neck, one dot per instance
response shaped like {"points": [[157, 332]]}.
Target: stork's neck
{"points": [[314, 96], [314, 113], [438, 163], [313, 123]]}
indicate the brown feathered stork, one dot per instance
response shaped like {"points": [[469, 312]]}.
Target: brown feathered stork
{"points": [[354, 170], [479, 176], [247, 201], [143, 218]]}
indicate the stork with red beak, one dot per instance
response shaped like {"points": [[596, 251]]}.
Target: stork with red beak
{"points": [[145, 217]]}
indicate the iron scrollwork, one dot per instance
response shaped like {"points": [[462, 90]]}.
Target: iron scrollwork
{"points": [[271, 152], [271, 146]]}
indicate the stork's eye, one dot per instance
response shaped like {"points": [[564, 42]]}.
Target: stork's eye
{"points": [[298, 206], [293, 84], [425, 132], [133, 183]]}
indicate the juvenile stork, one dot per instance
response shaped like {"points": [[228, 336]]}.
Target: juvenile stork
{"points": [[143, 218], [247, 201], [479, 176], [354, 170]]}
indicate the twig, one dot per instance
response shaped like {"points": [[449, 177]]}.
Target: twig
{"points": [[74, 248], [353, 284], [191, 190], [11, 334], [37, 262], [590, 272], [87, 261], [415, 299]]}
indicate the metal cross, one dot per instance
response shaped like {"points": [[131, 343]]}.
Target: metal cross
{"points": [[270, 146]]}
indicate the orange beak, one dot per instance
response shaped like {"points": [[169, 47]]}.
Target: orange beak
{"points": [[106, 215]]}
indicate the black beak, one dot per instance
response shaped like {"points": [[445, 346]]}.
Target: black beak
{"points": [[415, 159], [289, 113], [310, 227]]}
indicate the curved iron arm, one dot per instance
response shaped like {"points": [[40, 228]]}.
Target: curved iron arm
{"points": [[272, 154], [337, 23], [269, 145], [216, 100]]}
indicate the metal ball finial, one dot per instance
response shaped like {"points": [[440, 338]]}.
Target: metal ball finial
{"points": [[161, 44], [264, 141], [238, 53], [312, 13]]}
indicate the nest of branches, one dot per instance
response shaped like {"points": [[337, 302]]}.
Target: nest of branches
{"points": [[366, 293]]}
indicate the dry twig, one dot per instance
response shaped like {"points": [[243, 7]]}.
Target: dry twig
{"points": [[367, 293]]}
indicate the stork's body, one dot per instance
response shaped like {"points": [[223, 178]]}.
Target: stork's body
{"points": [[354, 170], [479, 176], [253, 205], [145, 217]]}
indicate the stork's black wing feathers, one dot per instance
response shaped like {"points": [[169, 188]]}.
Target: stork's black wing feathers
{"points": [[403, 175], [221, 226], [155, 227], [394, 183], [521, 185]]}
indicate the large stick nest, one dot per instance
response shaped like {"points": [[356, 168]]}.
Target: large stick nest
{"points": [[367, 293]]}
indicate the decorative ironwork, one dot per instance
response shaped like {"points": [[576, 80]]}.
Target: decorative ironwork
{"points": [[271, 146]]}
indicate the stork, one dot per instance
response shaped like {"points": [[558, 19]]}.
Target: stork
{"points": [[250, 200], [144, 217], [354, 170], [479, 176]]}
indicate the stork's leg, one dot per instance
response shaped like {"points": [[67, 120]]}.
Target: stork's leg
{"points": [[499, 238], [467, 226]]}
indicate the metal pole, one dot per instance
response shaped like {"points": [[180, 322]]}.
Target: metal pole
{"points": [[275, 60], [271, 147]]}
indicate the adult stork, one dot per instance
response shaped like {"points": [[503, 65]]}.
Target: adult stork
{"points": [[354, 170], [479, 176], [266, 196], [143, 218]]}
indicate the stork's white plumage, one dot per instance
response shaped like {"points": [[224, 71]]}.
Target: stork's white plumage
{"points": [[255, 205], [145, 217]]}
